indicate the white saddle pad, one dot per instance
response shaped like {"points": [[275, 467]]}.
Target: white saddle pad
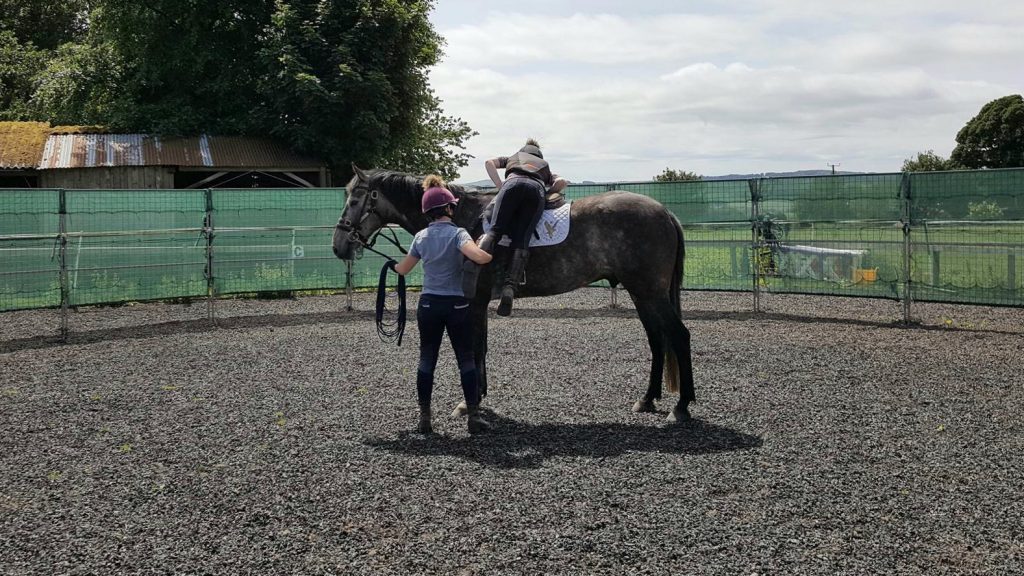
{"points": [[552, 229]]}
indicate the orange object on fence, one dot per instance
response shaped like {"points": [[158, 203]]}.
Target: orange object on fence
{"points": [[865, 275]]}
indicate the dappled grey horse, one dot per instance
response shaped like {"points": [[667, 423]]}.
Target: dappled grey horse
{"points": [[622, 237]]}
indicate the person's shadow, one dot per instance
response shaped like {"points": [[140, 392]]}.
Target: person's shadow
{"points": [[515, 444]]}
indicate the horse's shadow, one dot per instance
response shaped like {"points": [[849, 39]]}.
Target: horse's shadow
{"points": [[517, 444]]}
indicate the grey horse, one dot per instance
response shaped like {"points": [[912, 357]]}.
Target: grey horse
{"points": [[625, 238]]}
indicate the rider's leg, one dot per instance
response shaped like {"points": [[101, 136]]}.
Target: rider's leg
{"points": [[505, 206], [532, 209]]}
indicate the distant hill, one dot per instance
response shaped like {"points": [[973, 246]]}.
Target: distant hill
{"points": [[485, 184], [796, 173]]}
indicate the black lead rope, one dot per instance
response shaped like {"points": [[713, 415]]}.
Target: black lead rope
{"points": [[390, 331]]}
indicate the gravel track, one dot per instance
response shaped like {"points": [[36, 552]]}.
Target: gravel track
{"points": [[827, 439]]}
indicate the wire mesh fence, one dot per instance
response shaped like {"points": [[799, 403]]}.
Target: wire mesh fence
{"points": [[940, 236]]}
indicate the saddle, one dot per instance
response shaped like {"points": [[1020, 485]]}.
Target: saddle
{"points": [[552, 201]]}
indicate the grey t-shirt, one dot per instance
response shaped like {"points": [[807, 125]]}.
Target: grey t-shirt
{"points": [[439, 247]]}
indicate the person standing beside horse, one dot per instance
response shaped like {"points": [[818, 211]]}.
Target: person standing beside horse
{"points": [[517, 210], [443, 305]]}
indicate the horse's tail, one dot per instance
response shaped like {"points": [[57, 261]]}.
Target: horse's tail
{"points": [[671, 361]]}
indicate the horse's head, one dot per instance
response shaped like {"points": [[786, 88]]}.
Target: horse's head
{"points": [[368, 208]]}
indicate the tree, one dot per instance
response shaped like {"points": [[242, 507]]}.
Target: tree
{"points": [[929, 162], [995, 137], [46, 24], [670, 175], [344, 80], [19, 63], [30, 32]]}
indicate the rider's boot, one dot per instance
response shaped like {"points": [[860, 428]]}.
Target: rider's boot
{"points": [[515, 276], [424, 426], [476, 422]]}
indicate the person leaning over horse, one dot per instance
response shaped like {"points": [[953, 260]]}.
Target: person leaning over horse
{"points": [[517, 210], [441, 246]]}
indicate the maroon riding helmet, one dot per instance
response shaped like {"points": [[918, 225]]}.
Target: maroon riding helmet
{"points": [[437, 197]]}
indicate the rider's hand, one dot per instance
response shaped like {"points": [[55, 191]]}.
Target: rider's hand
{"points": [[391, 265]]}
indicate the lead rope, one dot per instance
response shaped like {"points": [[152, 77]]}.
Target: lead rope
{"points": [[389, 331]]}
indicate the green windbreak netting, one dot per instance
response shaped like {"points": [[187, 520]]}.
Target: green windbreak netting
{"points": [[271, 240], [833, 235], [837, 235], [29, 258], [715, 215], [126, 245], [967, 236]]}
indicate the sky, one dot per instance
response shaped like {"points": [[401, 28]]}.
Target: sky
{"points": [[622, 90]]}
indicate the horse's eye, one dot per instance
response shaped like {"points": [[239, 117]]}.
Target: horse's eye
{"points": [[353, 203]]}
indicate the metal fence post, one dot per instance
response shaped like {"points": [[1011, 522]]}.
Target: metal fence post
{"points": [[905, 205], [755, 198], [614, 303], [211, 287], [348, 285], [62, 238]]}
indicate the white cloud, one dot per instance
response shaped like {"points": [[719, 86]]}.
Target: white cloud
{"points": [[619, 97]]}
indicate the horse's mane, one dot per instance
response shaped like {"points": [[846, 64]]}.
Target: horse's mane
{"points": [[395, 183]]}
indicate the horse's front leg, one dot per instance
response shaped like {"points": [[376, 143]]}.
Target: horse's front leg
{"points": [[479, 319]]}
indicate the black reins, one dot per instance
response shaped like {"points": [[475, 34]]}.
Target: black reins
{"points": [[387, 330]]}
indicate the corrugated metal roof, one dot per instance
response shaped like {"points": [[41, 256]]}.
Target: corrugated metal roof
{"points": [[21, 144], [91, 150]]}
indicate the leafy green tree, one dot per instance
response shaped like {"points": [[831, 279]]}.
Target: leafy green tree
{"points": [[929, 162], [670, 175], [344, 80], [995, 137], [79, 85], [46, 24], [19, 64]]}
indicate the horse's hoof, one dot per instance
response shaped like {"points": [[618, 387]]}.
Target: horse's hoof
{"points": [[460, 410], [643, 406], [678, 415]]}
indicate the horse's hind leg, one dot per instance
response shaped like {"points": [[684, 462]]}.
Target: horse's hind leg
{"points": [[679, 339], [657, 344]]}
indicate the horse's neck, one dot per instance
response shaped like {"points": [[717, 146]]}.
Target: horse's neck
{"points": [[471, 207]]}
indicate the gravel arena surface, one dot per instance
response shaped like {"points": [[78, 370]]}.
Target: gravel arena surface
{"points": [[827, 439]]}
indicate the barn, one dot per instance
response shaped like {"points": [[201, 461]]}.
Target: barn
{"points": [[36, 155]]}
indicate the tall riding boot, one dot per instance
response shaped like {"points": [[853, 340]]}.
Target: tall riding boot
{"points": [[424, 426], [514, 277], [471, 270], [476, 422]]}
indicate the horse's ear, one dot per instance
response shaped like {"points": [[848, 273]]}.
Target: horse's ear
{"points": [[358, 172]]}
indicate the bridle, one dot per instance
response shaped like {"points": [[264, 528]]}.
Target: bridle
{"points": [[356, 237], [388, 330]]}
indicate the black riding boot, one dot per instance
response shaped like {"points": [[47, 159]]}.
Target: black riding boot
{"points": [[471, 270], [513, 277]]}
